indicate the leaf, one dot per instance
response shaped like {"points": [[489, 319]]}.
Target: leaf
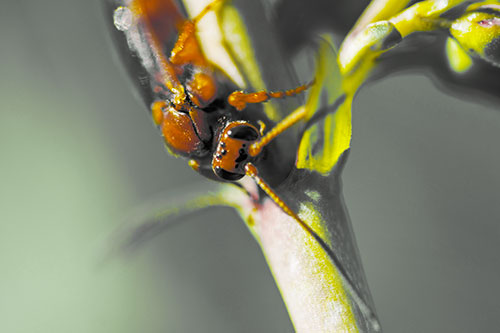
{"points": [[326, 139], [159, 214], [478, 33]]}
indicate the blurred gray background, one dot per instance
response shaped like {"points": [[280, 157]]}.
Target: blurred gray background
{"points": [[78, 151]]}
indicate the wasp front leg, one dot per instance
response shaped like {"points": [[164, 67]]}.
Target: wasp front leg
{"points": [[187, 49]]}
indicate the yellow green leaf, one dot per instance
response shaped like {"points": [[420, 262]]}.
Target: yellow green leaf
{"points": [[325, 140]]}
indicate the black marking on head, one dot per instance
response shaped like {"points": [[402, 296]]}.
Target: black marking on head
{"points": [[226, 175], [243, 156]]}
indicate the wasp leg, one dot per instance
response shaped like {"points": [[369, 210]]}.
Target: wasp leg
{"points": [[349, 286], [187, 33], [239, 99]]}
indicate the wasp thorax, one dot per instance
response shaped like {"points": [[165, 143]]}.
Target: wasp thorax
{"points": [[232, 155]]}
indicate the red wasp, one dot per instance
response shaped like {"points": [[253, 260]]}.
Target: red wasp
{"points": [[200, 112]]}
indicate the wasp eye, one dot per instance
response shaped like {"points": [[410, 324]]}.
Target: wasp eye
{"points": [[226, 175], [243, 132]]}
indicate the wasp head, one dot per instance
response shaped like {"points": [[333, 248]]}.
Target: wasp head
{"points": [[232, 155]]}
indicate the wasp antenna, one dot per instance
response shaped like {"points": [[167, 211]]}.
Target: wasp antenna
{"points": [[262, 127], [240, 99], [251, 171], [293, 118]]}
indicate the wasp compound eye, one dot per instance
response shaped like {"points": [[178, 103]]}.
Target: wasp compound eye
{"points": [[243, 132]]}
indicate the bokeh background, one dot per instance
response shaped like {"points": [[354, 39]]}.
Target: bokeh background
{"points": [[78, 152]]}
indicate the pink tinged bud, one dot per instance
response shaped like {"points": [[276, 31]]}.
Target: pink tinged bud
{"points": [[478, 33], [490, 22]]}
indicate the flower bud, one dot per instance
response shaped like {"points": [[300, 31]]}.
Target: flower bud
{"points": [[458, 59], [478, 33]]}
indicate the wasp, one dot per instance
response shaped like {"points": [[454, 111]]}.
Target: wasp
{"points": [[200, 112]]}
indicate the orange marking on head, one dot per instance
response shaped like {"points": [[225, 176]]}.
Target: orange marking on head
{"points": [[231, 155]]}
